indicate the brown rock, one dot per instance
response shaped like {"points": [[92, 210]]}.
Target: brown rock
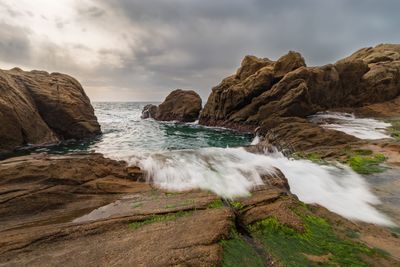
{"points": [[253, 78], [287, 88], [287, 63], [149, 111], [41, 186], [249, 66], [298, 134], [40, 108], [76, 209], [180, 105]]}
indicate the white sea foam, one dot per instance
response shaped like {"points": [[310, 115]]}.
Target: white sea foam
{"points": [[363, 128], [233, 172], [256, 140]]}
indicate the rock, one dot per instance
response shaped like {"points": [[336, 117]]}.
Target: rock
{"points": [[254, 77], [180, 105], [57, 199], [84, 209], [287, 63], [297, 134], [233, 93], [42, 186], [40, 108], [249, 66], [149, 111], [287, 88]]}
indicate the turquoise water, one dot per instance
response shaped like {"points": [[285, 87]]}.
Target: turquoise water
{"points": [[125, 133]]}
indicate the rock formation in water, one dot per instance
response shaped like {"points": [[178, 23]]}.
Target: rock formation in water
{"points": [[265, 92], [149, 111], [180, 105], [41, 108]]}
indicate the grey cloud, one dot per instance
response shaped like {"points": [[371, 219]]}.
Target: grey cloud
{"points": [[194, 44], [91, 11], [14, 44]]}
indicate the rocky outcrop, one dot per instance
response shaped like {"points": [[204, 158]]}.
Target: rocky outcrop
{"points": [[180, 105], [40, 108], [287, 88], [149, 111]]}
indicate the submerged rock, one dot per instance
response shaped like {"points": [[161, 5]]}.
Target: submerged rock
{"points": [[40, 108], [287, 88], [180, 105]]}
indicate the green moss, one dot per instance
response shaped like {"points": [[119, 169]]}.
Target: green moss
{"points": [[237, 205], [216, 204], [318, 239], [314, 157], [238, 253], [395, 129], [159, 218], [171, 194], [351, 233], [366, 164], [184, 203]]}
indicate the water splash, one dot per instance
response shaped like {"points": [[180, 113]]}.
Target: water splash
{"points": [[363, 128], [226, 172], [256, 140], [233, 172]]}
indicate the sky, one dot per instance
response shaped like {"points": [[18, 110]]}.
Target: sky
{"points": [[140, 50]]}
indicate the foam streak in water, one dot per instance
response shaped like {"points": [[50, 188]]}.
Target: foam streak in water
{"points": [[363, 128], [233, 172]]}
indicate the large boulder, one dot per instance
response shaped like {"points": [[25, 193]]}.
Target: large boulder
{"points": [[371, 75], [41, 108], [254, 77], [180, 105]]}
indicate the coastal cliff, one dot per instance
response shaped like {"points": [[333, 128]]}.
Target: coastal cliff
{"points": [[263, 90]]}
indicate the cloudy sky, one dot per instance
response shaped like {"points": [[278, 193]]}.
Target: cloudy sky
{"points": [[139, 50]]}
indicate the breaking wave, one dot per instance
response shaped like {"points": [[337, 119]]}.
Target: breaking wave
{"points": [[363, 128], [233, 172]]}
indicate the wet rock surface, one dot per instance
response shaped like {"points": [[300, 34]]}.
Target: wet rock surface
{"points": [[41, 108], [86, 209]]}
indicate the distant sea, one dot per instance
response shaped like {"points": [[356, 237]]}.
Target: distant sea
{"points": [[125, 133]]}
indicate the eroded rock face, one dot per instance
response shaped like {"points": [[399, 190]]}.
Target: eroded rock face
{"points": [[180, 105], [287, 88], [253, 78], [39, 108]]}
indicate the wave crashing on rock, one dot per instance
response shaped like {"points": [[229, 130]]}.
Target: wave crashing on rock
{"points": [[234, 172]]}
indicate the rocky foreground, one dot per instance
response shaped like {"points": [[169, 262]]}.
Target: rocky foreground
{"points": [[85, 209]]}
